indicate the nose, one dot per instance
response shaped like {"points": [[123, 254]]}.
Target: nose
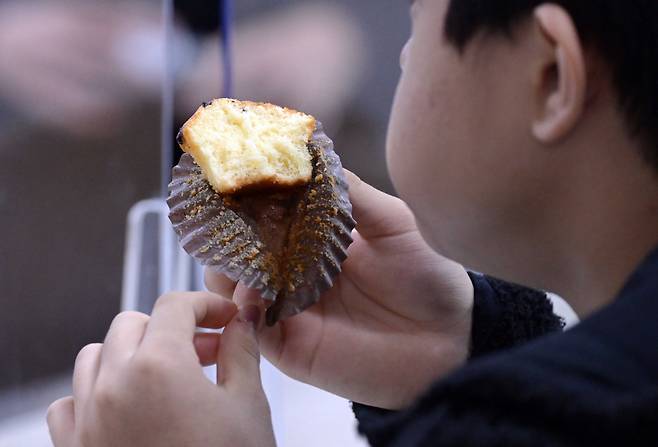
{"points": [[403, 54]]}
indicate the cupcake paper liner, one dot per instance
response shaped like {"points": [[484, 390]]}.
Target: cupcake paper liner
{"points": [[289, 245]]}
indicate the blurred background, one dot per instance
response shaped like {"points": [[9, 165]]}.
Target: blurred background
{"points": [[80, 144]]}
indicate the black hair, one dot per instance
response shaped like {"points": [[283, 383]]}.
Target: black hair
{"points": [[624, 33]]}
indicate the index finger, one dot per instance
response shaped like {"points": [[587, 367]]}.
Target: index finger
{"points": [[218, 283], [377, 214], [177, 315]]}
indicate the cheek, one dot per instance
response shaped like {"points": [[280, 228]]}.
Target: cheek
{"points": [[406, 150], [438, 132], [405, 147], [424, 151]]}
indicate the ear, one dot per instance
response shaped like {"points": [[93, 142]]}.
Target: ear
{"points": [[561, 84]]}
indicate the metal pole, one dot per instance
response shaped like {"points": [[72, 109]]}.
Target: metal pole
{"points": [[167, 100]]}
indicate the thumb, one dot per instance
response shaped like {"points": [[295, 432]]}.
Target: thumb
{"points": [[377, 214], [239, 355]]}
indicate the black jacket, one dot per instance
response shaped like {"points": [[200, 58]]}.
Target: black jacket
{"points": [[595, 384]]}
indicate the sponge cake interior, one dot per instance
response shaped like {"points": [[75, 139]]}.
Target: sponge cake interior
{"points": [[242, 145]]}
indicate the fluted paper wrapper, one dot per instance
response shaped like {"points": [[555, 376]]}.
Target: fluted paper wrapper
{"points": [[288, 244]]}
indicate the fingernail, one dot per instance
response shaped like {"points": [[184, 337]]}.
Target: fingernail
{"points": [[249, 314]]}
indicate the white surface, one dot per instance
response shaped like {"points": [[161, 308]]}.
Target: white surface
{"points": [[25, 430], [306, 416]]}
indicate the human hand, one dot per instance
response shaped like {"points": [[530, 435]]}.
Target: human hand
{"points": [[64, 63], [145, 385], [397, 319]]}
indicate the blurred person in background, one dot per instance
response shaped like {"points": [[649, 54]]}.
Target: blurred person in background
{"points": [[79, 67], [79, 120], [63, 64]]}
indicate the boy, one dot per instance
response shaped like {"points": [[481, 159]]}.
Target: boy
{"points": [[523, 139]]}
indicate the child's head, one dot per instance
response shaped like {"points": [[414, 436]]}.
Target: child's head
{"points": [[508, 112]]}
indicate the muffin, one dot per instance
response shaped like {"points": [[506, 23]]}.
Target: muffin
{"points": [[260, 196]]}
